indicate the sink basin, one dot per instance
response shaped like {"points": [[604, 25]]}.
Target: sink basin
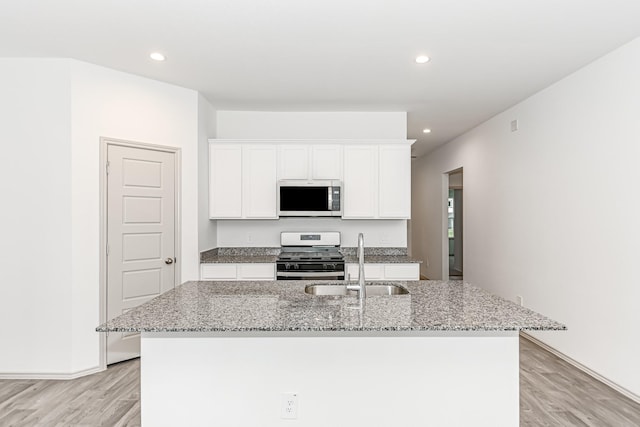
{"points": [[341, 289]]}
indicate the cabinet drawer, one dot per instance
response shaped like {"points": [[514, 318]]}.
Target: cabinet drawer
{"points": [[401, 271], [256, 271], [218, 272], [371, 271]]}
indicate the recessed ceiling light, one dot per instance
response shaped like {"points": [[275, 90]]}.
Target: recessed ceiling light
{"points": [[426, 130], [422, 59], [157, 56]]}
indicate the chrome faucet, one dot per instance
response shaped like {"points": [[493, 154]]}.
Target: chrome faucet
{"points": [[360, 287]]}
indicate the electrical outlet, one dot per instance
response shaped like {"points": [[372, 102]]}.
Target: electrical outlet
{"points": [[519, 300], [514, 125], [249, 238], [289, 407]]}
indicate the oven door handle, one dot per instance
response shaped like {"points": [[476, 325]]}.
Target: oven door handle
{"points": [[310, 273]]}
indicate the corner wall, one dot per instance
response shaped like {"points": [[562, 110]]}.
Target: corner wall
{"points": [[55, 112], [35, 219], [550, 211], [109, 103], [207, 229]]}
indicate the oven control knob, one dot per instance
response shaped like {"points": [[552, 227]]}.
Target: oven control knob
{"points": [[296, 266], [329, 266]]}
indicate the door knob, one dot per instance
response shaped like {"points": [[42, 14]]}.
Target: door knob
{"points": [[168, 261]]}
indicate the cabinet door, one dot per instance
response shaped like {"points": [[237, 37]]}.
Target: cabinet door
{"points": [[225, 181], [394, 175], [410, 271], [360, 181], [259, 181], [326, 162], [293, 162], [371, 271], [266, 271], [218, 272]]}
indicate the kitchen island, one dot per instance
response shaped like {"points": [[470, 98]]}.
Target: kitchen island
{"points": [[235, 353]]}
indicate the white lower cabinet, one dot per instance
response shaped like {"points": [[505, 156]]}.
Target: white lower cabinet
{"points": [[395, 271], [256, 271], [248, 271], [218, 272], [401, 271], [371, 271]]}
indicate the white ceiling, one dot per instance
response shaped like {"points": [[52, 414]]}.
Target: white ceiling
{"points": [[335, 55]]}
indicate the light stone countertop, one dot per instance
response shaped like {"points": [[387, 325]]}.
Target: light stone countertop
{"points": [[242, 255], [283, 306], [381, 259], [239, 255]]}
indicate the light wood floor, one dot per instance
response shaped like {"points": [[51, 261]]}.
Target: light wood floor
{"points": [[552, 393], [108, 398]]}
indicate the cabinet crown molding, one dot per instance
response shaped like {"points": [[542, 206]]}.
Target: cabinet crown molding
{"points": [[311, 141]]}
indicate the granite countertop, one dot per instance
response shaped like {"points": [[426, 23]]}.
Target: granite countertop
{"points": [[381, 259], [239, 255], [282, 306], [242, 255]]}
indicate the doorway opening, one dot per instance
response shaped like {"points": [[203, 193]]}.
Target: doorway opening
{"points": [[454, 230]]}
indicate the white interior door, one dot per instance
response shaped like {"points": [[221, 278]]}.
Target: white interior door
{"points": [[140, 235]]}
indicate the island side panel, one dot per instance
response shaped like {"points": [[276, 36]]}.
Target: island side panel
{"points": [[446, 379]]}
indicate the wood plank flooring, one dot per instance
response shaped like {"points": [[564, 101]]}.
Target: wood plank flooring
{"points": [[108, 398], [552, 393]]}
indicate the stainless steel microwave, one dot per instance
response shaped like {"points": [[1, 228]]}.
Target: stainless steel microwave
{"points": [[300, 197]]}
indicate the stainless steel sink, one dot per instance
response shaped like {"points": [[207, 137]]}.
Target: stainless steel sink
{"points": [[340, 289]]}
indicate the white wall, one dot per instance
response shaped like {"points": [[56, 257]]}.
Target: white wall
{"points": [[56, 110], [547, 214], [35, 219], [311, 125], [318, 125], [108, 103], [382, 233], [207, 237]]}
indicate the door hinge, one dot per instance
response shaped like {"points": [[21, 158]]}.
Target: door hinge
{"points": [[107, 250], [108, 166]]}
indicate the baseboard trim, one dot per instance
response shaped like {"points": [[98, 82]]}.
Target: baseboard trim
{"points": [[46, 376], [583, 368]]}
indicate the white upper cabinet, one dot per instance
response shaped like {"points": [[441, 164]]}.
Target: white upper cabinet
{"points": [[326, 162], [293, 162], [375, 175], [259, 181], [242, 181], [225, 181], [395, 181], [360, 184], [377, 181], [317, 161]]}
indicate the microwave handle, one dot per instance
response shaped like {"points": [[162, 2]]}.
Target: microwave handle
{"points": [[330, 191]]}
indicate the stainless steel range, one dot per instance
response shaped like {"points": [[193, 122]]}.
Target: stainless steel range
{"points": [[310, 256]]}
